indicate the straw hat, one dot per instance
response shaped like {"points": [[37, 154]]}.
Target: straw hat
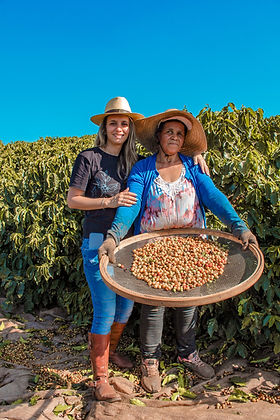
{"points": [[118, 106], [195, 140]]}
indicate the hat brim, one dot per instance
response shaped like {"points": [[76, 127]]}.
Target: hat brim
{"points": [[97, 119], [195, 141]]}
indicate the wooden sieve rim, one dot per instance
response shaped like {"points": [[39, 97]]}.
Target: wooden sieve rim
{"points": [[178, 301]]}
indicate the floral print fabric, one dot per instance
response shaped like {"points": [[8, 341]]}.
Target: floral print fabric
{"points": [[172, 205]]}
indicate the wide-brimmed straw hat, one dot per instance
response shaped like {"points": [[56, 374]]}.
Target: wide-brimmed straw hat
{"points": [[195, 141], [116, 106]]}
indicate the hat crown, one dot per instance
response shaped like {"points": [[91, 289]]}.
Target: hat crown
{"points": [[118, 104]]}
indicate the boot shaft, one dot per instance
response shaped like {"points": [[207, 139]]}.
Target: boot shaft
{"points": [[116, 333], [99, 356], [99, 353]]}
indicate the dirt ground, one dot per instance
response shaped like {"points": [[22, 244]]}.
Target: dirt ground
{"points": [[45, 374]]}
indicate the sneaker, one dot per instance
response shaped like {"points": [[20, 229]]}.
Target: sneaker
{"points": [[196, 365], [150, 379]]}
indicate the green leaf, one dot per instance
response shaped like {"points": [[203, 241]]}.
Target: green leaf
{"points": [[165, 347], [61, 408], [82, 347], [33, 400], [20, 290], [266, 359], [272, 321], [181, 380], [132, 378], [243, 305], [2, 326], [212, 326], [241, 350], [132, 348], [246, 322], [233, 107], [274, 198], [231, 350], [36, 378], [19, 401], [269, 299], [265, 284], [239, 395], [169, 378], [216, 387], [238, 381], [68, 392], [135, 401], [231, 329], [276, 347], [266, 320], [186, 393], [175, 396], [162, 365], [247, 120]]}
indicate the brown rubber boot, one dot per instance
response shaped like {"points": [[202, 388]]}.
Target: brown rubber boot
{"points": [[99, 356], [150, 379], [120, 360]]}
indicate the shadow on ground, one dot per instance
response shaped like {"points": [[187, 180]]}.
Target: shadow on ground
{"points": [[45, 373]]}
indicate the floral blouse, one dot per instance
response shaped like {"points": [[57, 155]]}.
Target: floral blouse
{"points": [[172, 205]]}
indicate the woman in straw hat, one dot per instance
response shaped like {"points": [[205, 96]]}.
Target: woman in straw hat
{"points": [[98, 186], [171, 193]]}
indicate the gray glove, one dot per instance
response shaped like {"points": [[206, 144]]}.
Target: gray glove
{"points": [[247, 237], [107, 248]]}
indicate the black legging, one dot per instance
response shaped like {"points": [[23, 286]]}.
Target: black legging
{"points": [[151, 326]]}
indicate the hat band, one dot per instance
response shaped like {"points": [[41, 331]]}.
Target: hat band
{"points": [[118, 110], [183, 120]]}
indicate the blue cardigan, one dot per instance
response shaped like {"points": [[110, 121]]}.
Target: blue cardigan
{"points": [[140, 180]]}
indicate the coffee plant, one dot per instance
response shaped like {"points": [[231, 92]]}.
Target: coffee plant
{"points": [[244, 157], [40, 237]]}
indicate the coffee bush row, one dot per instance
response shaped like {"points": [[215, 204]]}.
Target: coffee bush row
{"points": [[40, 237]]}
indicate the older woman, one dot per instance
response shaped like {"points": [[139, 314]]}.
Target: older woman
{"points": [[171, 193]]}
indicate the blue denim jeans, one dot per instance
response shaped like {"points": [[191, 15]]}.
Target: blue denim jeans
{"points": [[151, 326], [108, 307]]}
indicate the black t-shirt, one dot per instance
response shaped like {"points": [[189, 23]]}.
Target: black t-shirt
{"points": [[95, 173]]}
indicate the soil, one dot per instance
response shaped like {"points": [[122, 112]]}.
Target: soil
{"points": [[45, 374]]}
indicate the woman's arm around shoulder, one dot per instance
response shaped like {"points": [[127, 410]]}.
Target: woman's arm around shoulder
{"points": [[199, 160]]}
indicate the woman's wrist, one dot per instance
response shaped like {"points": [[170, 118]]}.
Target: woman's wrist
{"points": [[105, 203], [109, 202]]}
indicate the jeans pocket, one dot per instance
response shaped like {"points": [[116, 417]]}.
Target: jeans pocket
{"points": [[90, 256]]}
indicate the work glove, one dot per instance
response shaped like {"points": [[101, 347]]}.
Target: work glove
{"points": [[248, 237], [107, 248]]}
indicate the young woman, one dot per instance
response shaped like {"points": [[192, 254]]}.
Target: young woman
{"points": [[171, 193], [98, 186]]}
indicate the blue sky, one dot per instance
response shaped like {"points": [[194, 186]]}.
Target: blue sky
{"points": [[61, 61]]}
